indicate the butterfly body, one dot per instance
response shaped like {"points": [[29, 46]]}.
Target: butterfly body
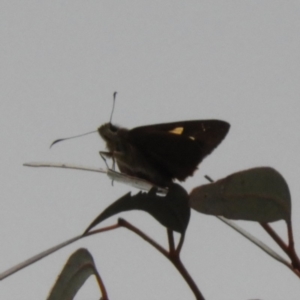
{"points": [[161, 153]]}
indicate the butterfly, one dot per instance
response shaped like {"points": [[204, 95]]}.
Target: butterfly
{"points": [[161, 153]]}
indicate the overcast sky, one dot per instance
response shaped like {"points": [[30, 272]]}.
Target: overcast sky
{"points": [[61, 61]]}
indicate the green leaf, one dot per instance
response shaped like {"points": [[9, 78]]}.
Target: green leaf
{"points": [[79, 267], [172, 210], [259, 194]]}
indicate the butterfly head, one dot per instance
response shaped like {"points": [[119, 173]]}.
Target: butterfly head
{"points": [[109, 133]]}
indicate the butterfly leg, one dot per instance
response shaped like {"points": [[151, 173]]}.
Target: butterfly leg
{"points": [[105, 155]]}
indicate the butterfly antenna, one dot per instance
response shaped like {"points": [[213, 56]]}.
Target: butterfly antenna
{"points": [[113, 108], [72, 137]]}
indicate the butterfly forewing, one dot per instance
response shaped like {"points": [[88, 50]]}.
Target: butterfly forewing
{"points": [[177, 148], [171, 154]]}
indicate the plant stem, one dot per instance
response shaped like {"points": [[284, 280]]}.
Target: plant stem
{"points": [[288, 249], [172, 256]]}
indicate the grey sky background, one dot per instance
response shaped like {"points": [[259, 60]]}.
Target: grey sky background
{"points": [[61, 61]]}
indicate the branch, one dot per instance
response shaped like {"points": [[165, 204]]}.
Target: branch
{"points": [[288, 249], [258, 243], [172, 256]]}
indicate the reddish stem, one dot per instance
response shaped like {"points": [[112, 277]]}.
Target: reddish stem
{"points": [[171, 240], [172, 255], [288, 249], [101, 285]]}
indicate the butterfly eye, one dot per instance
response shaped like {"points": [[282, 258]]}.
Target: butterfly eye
{"points": [[113, 128]]}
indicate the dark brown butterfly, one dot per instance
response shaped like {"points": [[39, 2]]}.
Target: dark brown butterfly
{"points": [[163, 152]]}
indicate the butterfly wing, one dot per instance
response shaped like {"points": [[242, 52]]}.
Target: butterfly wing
{"points": [[177, 148]]}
